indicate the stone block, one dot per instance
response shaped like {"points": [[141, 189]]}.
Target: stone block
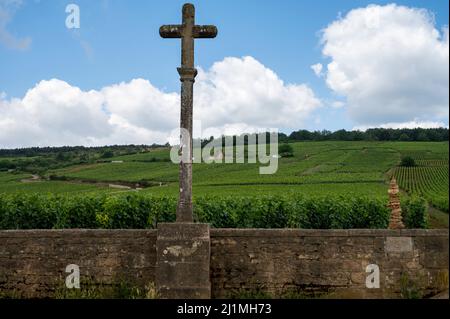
{"points": [[183, 261], [398, 244]]}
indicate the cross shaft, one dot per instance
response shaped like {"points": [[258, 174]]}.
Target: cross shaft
{"points": [[187, 31]]}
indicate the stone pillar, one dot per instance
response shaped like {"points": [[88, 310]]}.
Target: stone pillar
{"points": [[395, 221], [183, 261], [184, 208]]}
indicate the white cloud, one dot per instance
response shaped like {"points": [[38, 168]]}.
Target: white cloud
{"points": [[53, 113], [337, 104], [411, 125], [236, 95], [242, 90], [317, 68], [7, 11], [391, 64]]}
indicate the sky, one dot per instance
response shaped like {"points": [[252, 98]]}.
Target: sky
{"points": [[286, 65]]}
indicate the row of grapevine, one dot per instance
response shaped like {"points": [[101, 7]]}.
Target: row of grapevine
{"points": [[435, 162], [430, 182], [37, 211]]}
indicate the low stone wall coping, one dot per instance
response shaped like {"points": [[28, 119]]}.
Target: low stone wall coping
{"points": [[283, 232], [240, 232], [50, 233]]}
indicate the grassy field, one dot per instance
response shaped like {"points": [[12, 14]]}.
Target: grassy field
{"points": [[323, 163], [317, 168]]}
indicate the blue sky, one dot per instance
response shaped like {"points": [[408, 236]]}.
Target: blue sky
{"points": [[118, 41]]}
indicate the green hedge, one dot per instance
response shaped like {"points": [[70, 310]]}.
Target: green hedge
{"points": [[414, 213], [138, 211]]}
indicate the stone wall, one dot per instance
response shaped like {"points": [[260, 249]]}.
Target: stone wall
{"points": [[327, 263], [244, 262], [33, 263]]}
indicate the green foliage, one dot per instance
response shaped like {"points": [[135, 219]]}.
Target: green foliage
{"points": [[260, 293], [318, 170], [127, 211], [257, 293], [145, 211], [107, 154], [285, 150], [409, 289], [11, 294], [374, 134], [429, 179], [24, 211], [78, 213], [414, 212], [122, 290], [407, 161], [441, 202]]}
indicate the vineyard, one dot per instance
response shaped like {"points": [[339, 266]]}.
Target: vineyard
{"points": [[334, 169], [429, 179], [135, 211]]}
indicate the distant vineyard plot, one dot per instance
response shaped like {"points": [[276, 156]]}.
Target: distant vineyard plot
{"points": [[335, 168], [429, 179], [316, 168]]}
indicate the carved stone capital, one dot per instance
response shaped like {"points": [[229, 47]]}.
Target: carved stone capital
{"points": [[187, 74]]}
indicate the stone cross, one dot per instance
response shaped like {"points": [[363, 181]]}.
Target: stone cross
{"points": [[187, 31]]}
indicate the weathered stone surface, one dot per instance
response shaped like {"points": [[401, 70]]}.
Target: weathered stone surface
{"points": [[434, 251], [398, 244], [40, 257], [187, 31], [183, 261], [181, 231], [331, 262], [325, 263], [186, 293]]}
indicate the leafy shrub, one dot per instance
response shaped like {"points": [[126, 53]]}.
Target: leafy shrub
{"points": [[163, 210], [79, 213], [408, 161], [285, 150], [414, 213], [130, 211], [27, 212]]}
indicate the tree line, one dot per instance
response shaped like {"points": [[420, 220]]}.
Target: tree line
{"points": [[374, 134], [61, 150]]}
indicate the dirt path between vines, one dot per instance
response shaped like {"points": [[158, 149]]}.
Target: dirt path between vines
{"points": [[121, 185], [33, 178]]}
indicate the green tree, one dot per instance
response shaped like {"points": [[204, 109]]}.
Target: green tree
{"points": [[423, 137], [61, 156], [408, 161], [107, 154], [285, 150]]}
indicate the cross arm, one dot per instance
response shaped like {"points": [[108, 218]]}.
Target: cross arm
{"points": [[204, 31], [171, 31]]}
